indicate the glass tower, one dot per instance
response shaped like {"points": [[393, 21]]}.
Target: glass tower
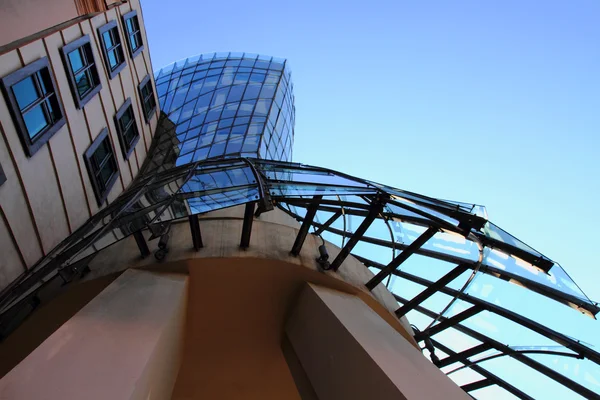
{"points": [[224, 104]]}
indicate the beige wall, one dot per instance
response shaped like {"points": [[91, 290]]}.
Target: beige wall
{"points": [[49, 195], [273, 234], [349, 352]]}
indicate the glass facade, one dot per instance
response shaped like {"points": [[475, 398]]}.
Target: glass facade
{"points": [[497, 316], [224, 104]]}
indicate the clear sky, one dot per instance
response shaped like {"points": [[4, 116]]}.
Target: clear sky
{"points": [[495, 103]]}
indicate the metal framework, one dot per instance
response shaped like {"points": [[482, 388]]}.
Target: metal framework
{"points": [[454, 273]]}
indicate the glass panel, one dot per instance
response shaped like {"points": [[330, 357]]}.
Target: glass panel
{"points": [[108, 42], [35, 120], [76, 60], [112, 59], [83, 83], [25, 92]]}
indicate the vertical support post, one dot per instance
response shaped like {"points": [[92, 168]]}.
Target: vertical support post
{"points": [[308, 219], [376, 208], [395, 263], [195, 229], [247, 227], [141, 243]]}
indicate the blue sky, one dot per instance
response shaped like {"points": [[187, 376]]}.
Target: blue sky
{"points": [[495, 103]]}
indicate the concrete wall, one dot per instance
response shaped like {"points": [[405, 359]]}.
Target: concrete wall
{"points": [[48, 196], [125, 344], [273, 234], [350, 352]]}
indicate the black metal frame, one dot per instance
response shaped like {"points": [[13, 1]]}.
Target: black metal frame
{"points": [[453, 322], [125, 214], [195, 231], [32, 145], [247, 226], [89, 68], [375, 209], [403, 256]]}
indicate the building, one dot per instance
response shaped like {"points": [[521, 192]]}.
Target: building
{"points": [[159, 242]]}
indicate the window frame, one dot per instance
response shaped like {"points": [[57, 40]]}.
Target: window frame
{"points": [[85, 44], [32, 145], [125, 149], [101, 31], [100, 194], [132, 14], [143, 83]]}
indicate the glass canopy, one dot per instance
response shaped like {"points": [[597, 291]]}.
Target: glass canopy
{"points": [[497, 316]]}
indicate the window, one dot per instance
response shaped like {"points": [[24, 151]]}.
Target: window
{"points": [[34, 105], [127, 128], [81, 70], [2, 176], [133, 33], [102, 166], [112, 49], [147, 96]]}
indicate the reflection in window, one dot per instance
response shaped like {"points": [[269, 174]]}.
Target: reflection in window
{"points": [[81, 70], [112, 49], [133, 33], [34, 104]]}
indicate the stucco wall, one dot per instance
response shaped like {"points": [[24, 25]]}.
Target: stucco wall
{"points": [[48, 196]]}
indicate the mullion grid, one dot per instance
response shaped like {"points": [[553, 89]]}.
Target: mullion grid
{"points": [[226, 192], [86, 68], [42, 100], [235, 70], [99, 166], [116, 48]]}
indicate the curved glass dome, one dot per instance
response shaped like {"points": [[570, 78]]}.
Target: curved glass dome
{"points": [[224, 104]]}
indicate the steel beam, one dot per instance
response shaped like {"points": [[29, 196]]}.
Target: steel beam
{"points": [[469, 387], [448, 322], [395, 263], [376, 208], [543, 330], [432, 289], [328, 223], [247, 227], [463, 356], [308, 219], [530, 362], [141, 243], [484, 372], [195, 230]]}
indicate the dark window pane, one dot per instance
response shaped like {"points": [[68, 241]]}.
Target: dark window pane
{"points": [[35, 120], [105, 173], [126, 118], [25, 92], [83, 82]]}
